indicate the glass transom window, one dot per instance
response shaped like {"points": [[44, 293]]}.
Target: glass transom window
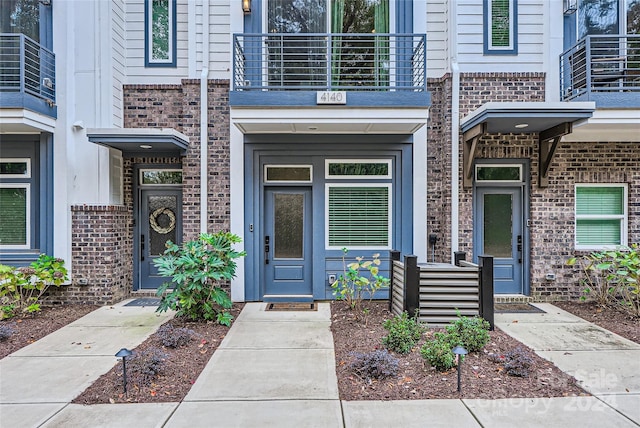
{"points": [[601, 216], [499, 173], [358, 169], [160, 177], [287, 173]]}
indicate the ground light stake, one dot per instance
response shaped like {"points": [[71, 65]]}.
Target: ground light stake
{"points": [[460, 353], [124, 353]]}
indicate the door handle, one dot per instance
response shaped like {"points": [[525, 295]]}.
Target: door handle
{"points": [[519, 248], [142, 248], [266, 250]]}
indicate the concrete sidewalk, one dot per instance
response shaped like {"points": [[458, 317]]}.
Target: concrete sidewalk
{"points": [[39, 380], [276, 369]]}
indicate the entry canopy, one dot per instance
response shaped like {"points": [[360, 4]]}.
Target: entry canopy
{"points": [[141, 141], [551, 121]]}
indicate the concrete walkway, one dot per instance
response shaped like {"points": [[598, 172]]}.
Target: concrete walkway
{"points": [[276, 369]]}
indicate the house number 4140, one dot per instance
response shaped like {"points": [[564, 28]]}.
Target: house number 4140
{"points": [[331, 97]]}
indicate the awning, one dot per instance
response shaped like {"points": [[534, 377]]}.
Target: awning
{"points": [[132, 142], [551, 121]]}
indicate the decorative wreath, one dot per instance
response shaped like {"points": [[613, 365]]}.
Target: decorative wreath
{"points": [[153, 220]]}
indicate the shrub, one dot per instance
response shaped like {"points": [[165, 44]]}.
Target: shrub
{"points": [[404, 333], [352, 287], [612, 278], [470, 332], [144, 366], [197, 270], [378, 364], [438, 353], [518, 362], [174, 337], [6, 330], [22, 288]]}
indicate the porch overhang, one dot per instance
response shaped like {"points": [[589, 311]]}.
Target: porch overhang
{"points": [[550, 121], [134, 142], [329, 120]]}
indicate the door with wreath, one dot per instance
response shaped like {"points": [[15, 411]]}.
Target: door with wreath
{"points": [[160, 221]]}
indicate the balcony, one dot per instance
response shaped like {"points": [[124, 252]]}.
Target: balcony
{"points": [[372, 70], [27, 75], [604, 69]]}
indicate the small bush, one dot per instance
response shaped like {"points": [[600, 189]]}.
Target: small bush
{"points": [[378, 364], [518, 362], [438, 353], [174, 337], [404, 333], [6, 330], [471, 333], [144, 366]]}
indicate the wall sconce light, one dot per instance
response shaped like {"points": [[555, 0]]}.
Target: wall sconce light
{"points": [[570, 6], [246, 6]]}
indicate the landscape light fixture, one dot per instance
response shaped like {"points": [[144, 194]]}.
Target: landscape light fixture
{"points": [[460, 353], [246, 6], [124, 353]]}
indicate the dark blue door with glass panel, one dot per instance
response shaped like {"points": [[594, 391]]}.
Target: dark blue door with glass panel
{"points": [[287, 244], [499, 233]]}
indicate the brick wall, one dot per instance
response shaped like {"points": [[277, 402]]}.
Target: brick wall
{"points": [[101, 249]]}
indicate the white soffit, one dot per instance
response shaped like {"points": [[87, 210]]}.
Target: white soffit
{"points": [[22, 121], [607, 126], [329, 120]]}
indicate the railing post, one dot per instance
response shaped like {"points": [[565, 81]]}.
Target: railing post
{"points": [[411, 285], [23, 62], [394, 255], [329, 61], [485, 276], [459, 256], [588, 57]]}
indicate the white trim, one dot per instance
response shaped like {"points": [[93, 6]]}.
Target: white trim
{"points": [[498, 165], [512, 28], [27, 225], [624, 217], [267, 181], [142, 171], [236, 215], [389, 187], [26, 161], [328, 176], [171, 35]]}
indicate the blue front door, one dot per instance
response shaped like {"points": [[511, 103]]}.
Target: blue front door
{"points": [[287, 244], [499, 233]]}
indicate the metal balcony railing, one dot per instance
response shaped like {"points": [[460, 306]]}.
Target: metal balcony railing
{"points": [[26, 67], [344, 62], [600, 64]]}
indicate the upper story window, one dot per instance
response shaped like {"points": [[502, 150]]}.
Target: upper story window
{"points": [[21, 16], [608, 17], [160, 33], [500, 27]]}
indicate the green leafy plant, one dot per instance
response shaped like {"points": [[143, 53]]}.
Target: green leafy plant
{"points": [[612, 277], [404, 333], [23, 288], [352, 285], [470, 332], [198, 270], [437, 352]]}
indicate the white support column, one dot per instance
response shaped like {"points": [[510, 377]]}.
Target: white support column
{"points": [[420, 194], [236, 189]]}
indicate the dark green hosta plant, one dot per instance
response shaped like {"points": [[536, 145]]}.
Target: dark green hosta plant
{"points": [[198, 270]]}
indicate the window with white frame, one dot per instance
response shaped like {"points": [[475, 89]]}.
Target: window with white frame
{"points": [[500, 27], [160, 33], [601, 216]]}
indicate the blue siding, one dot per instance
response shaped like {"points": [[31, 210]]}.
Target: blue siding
{"points": [[308, 98]]}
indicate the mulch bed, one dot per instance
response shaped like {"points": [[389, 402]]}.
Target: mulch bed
{"points": [[27, 328], [481, 377], [610, 318], [181, 367]]}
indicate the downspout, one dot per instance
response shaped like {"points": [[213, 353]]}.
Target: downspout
{"points": [[204, 122], [455, 131]]}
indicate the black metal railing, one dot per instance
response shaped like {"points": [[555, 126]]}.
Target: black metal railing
{"points": [[346, 62], [600, 64], [26, 67]]}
